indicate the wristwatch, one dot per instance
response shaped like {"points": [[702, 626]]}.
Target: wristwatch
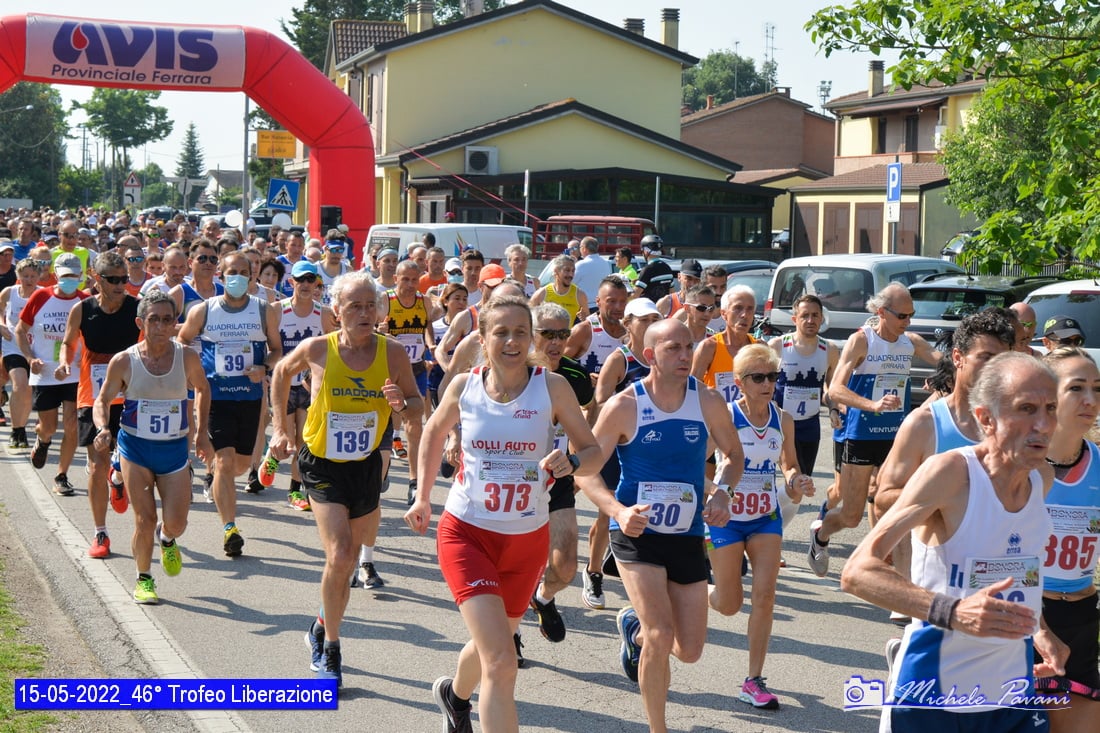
{"points": [[574, 461]]}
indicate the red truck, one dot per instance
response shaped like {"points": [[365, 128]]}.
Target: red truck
{"points": [[612, 232]]}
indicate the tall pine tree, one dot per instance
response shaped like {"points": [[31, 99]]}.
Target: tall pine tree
{"points": [[191, 164]]}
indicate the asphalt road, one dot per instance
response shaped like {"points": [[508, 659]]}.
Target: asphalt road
{"points": [[245, 618]]}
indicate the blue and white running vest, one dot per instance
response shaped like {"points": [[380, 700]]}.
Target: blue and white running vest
{"points": [[294, 329], [756, 494], [600, 347], [989, 545], [1074, 508], [884, 371], [232, 343], [948, 436], [800, 385], [662, 463]]}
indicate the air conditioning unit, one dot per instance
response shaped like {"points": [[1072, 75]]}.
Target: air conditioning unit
{"points": [[481, 161]]}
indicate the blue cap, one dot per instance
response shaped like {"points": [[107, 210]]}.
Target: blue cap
{"points": [[304, 267]]}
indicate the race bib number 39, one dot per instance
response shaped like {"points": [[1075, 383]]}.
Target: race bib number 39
{"points": [[350, 435], [232, 358], [672, 505]]}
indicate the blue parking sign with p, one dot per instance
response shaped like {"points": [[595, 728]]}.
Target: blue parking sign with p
{"points": [[282, 194], [893, 182]]}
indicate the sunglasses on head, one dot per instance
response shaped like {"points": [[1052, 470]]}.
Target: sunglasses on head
{"points": [[309, 277], [700, 307], [759, 377], [554, 333], [114, 279], [207, 259]]}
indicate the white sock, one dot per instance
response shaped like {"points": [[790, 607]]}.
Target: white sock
{"points": [[540, 599], [366, 554]]}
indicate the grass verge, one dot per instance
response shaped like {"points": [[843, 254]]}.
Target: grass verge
{"points": [[17, 659]]}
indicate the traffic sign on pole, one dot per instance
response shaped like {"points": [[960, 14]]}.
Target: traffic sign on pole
{"points": [[893, 192], [282, 194], [131, 191]]}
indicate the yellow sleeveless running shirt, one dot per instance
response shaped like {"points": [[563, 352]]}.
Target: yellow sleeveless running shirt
{"points": [[348, 413], [567, 301]]}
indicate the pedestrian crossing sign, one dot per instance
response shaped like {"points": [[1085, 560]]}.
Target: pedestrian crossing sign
{"points": [[282, 194]]}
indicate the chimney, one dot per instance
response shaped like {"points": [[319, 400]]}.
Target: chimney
{"points": [[412, 21], [635, 25], [426, 15], [710, 101], [670, 27], [875, 78]]}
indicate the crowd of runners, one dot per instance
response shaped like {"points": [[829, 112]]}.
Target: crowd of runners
{"points": [[171, 355]]}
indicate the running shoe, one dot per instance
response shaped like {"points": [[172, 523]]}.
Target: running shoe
{"points": [[520, 661], [331, 667], [13, 441], [297, 500], [592, 595], [455, 719], [755, 693], [62, 486], [38, 455], [315, 640], [233, 543], [412, 492], [253, 486], [145, 592], [120, 501], [367, 577], [22, 439], [399, 448], [551, 625], [892, 647], [268, 468], [208, 487], [818, 554], [630, 651], [101, 546], [170, 558]]}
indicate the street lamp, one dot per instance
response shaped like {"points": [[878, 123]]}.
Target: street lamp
{"points": [[16, 109], [824, 89]]}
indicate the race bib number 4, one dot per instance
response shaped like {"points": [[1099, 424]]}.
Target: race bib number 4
{"points": [[890, 384], [507, 489], [802, 402], [1070, 553], [232, 358], [351, 435], [672, 505]]}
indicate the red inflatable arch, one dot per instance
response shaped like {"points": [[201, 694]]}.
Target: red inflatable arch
{"points": [[210, 58]]}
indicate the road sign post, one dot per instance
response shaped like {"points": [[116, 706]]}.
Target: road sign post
{"points": [[131, 192], [893, 202]]}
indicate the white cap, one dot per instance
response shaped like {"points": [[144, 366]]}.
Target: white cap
{"points": [[640, 307]]}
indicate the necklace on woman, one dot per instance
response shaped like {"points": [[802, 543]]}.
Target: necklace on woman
{"points": [[1071, 464]]}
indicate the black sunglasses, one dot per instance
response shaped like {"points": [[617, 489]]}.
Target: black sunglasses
{"points": [[1068, 341], [759, 377], [208, 259], [554, 333], [700, 307], [309, 277], [114, 279], [899, 316]]}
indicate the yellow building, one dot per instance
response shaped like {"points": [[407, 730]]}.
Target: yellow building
{"points": [[847, 212], [536, 96]]}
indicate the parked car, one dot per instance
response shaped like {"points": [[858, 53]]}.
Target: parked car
{"points": [[1078, 299], [941, 301], [844, 283], [956, 244]]}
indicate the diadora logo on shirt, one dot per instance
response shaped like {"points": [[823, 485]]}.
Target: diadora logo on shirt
{"points": [[653, 436], [359, 389], [524, 414]]}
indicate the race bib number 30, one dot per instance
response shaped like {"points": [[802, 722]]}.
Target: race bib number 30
{"points": [[351, 435], [672, 505], [507, 488], [232, 358]]}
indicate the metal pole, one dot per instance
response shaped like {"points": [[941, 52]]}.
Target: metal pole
{"points": [[245, 178], [526, 196], [894, 224], [657, 206]]}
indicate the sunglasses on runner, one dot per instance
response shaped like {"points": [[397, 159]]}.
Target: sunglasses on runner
{"points": [[899, 316], [309, 277], [700, 307], [135, 260], [207, 259], [554, 333], [114, 279], [759, 377]]}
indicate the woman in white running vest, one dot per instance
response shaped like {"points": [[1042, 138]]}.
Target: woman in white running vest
{"points": [[756, 522], [493, 537]]}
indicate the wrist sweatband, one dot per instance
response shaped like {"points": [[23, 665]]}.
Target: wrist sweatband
{"points": [[939, 613]]}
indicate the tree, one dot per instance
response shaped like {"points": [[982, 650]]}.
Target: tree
{"points": [[718, 73], [262, 170], [77, 186], [32, 150], [1049, 54], [190, 164], [155, 191], [125, 119], [308, 27]]}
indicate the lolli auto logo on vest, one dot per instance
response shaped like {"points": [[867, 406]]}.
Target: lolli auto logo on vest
{"points": [[90, 51]]}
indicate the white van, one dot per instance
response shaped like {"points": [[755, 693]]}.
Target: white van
{"points": [[490, 239]]}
